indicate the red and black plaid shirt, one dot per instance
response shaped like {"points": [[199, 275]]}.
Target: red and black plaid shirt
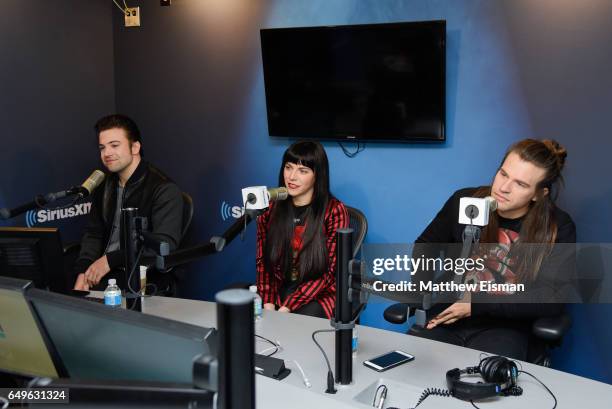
{"points": [[321, 290]]}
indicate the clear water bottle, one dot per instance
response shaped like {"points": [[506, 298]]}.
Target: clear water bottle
{"points": [[112, 294], [257, 303], [355, 342]]}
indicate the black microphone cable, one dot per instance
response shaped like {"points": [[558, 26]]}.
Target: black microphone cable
{"points": [[330, 374], [275, 345], [43, 206], [134, 293], [349, 154], [383, 396], [541, 383]]}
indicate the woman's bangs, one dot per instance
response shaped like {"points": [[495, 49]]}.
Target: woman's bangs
{"points": [[304, 158]]}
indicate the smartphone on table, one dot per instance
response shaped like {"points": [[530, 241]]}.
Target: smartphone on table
{"points": [[389, 360]]}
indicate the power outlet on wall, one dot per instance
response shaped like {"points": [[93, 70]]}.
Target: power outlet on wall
{"points": [[132, 17]]}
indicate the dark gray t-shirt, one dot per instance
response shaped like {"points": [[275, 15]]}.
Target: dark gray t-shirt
{"points": [[114, 240]]}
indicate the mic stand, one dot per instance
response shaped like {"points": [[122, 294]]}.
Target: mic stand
{"points": [[232, 372], [349, 289], [343, 321], [215, 245], [137, 239], [38, 202], [471, 236]]}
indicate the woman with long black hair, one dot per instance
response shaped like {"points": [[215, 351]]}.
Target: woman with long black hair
{"points": [[296, 238]]}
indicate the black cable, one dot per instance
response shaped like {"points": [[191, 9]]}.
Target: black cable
{"points": [[354, 153], [274, 344], [330, 373], [131, 290], [44, 206], [432, 391], [376, 393], [545, 387], [319, 346], [132, 271]]}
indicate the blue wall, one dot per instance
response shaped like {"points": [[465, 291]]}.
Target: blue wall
{"points": [[56, 79]]}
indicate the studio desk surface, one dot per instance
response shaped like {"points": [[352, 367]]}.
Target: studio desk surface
{"points": [[405, 383]]}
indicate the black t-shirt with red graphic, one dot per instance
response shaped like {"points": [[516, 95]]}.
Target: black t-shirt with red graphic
{"points": [[293, 276], [539, 299]]}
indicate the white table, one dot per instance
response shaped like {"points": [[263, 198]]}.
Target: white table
{"points": [[405, 382]]}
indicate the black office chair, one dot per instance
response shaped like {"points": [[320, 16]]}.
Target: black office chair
{"points": [[359, 224], [171, 278], [546, 333], [187, 213]]}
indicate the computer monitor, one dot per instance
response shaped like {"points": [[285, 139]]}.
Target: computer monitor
{"points": [[95, 341], [24, 349], [34, 254]]}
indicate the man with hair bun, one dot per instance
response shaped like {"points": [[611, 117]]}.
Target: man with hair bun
{"points": [[521, 238]]}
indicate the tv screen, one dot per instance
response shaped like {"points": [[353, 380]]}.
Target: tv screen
{"points": [[363, 82]]}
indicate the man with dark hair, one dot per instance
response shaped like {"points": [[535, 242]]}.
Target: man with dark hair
{"points": [[131, 182]]}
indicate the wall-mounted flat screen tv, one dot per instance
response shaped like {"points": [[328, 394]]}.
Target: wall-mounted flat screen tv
{"points": [[376, 82]]}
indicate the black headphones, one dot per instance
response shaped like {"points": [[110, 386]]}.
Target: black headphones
{"points": [[498, 372]]}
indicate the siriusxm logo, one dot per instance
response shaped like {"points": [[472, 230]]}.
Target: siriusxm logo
{"points": [[228, 211], [47, 215]]}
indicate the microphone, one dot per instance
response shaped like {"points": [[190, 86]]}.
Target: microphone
{"points": [[87, 187], [492, 203], [93, 181], [277, 193], [475, 211], [259, 197]]}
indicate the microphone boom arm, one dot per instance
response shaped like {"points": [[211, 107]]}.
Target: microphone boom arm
{"points": [[38, 202], [215, 245]]}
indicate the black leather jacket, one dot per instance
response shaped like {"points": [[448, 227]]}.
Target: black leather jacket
{"points": [[148, 189]]}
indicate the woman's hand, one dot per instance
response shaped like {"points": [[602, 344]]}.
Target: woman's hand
{"points": [[284, 309], [455, 312], [269, 307]]}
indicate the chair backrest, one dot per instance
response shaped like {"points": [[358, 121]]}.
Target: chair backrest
{"points": [[591, 261], [359, 224], [187, 213]]}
